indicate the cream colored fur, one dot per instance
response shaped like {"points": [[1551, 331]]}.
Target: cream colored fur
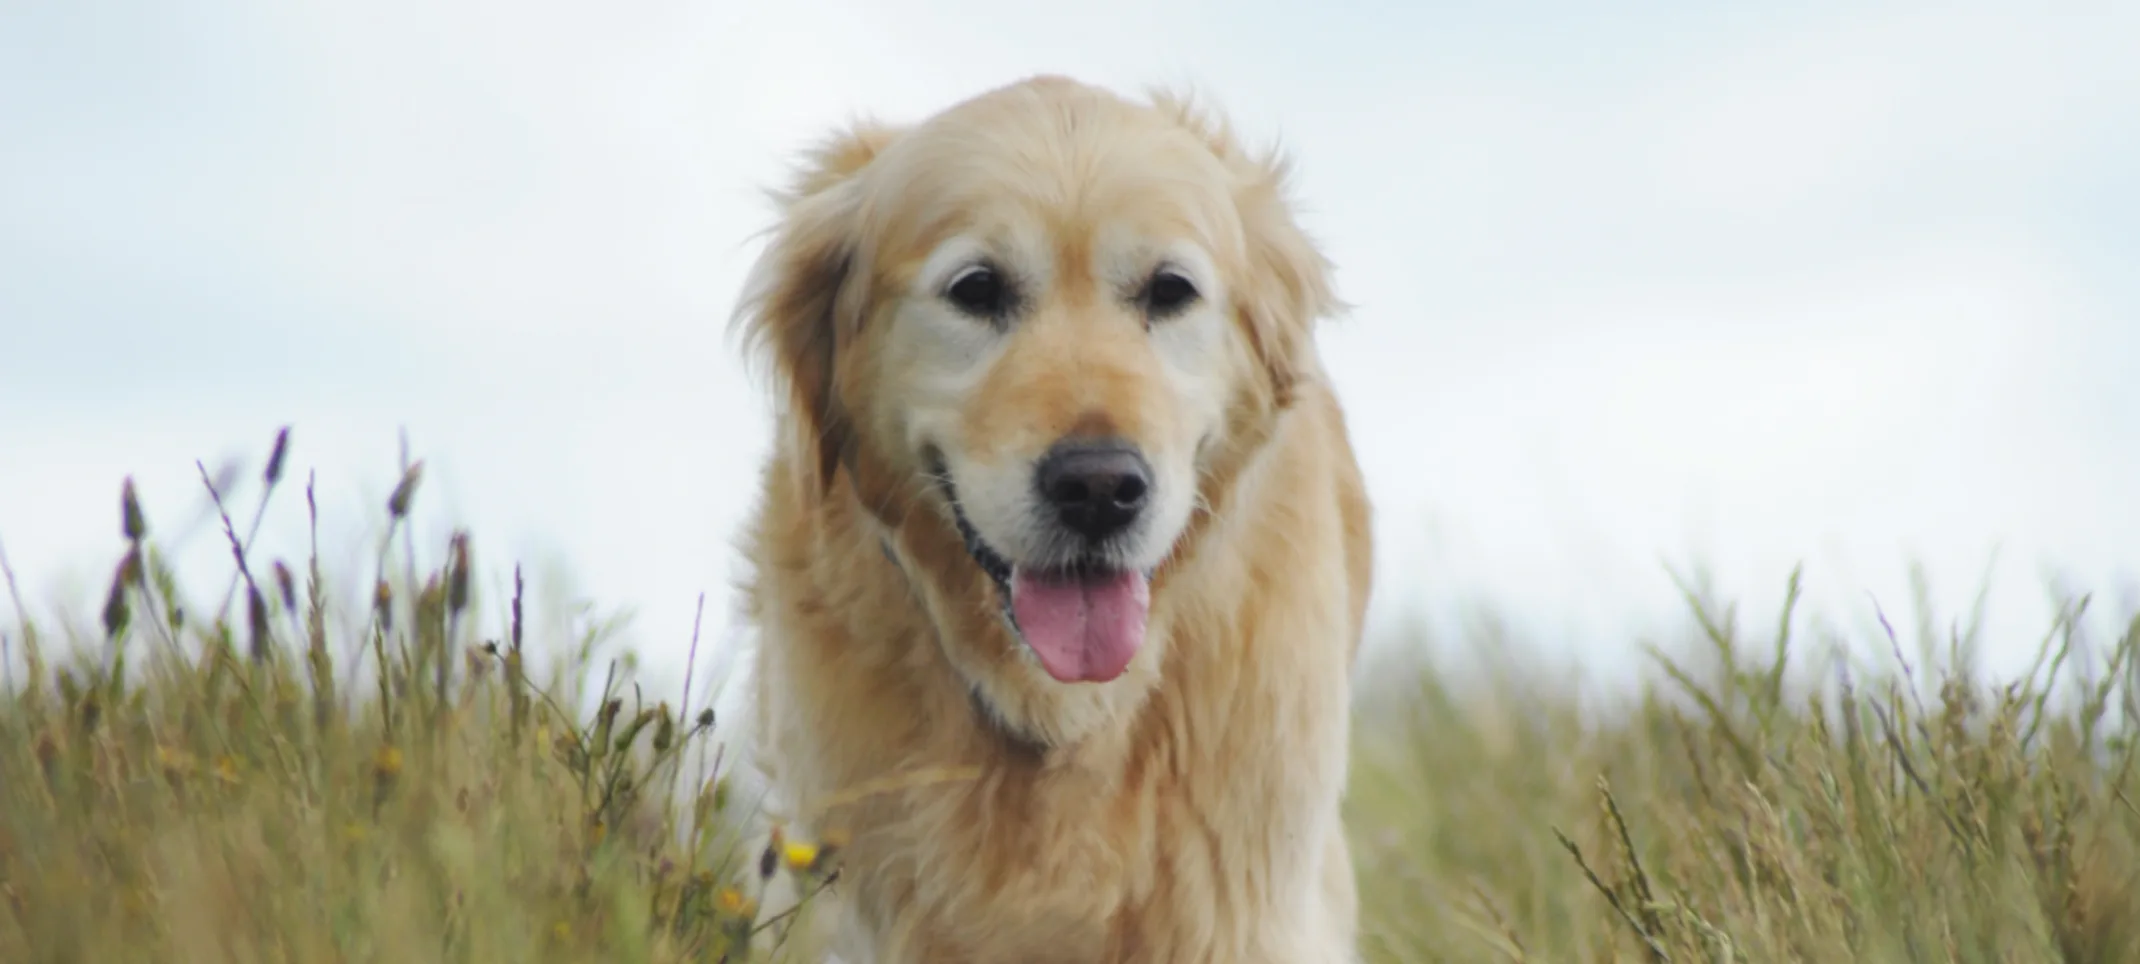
{"points": [[1187, 811]]}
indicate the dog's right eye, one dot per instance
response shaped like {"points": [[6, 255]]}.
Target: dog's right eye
{"points": [[980, 291]]}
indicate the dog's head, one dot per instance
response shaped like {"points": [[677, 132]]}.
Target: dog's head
{"points": [[1060, 318]]}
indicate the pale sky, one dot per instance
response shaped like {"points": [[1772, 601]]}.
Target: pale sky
{"points": [[1841, 283]]}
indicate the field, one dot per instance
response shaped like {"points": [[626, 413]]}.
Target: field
{"points": [[176, 786]]}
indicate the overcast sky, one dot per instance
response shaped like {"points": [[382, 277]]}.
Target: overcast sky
{"points": [[1841, 283]]}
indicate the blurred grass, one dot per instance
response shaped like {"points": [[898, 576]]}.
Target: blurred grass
{"points": [[273, 782], [259, 787], [1736, 811]]}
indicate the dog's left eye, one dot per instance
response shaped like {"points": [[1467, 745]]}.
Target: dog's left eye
{"points": [[979, 291], [1168, 293]]}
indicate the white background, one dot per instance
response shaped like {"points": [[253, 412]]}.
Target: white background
{"points": [[1844, 283]]}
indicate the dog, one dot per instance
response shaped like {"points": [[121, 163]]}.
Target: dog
{"points": [[1062, 510]]}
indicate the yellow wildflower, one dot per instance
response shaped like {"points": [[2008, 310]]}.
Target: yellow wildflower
{"points": [[731, 903], [800, 856]]}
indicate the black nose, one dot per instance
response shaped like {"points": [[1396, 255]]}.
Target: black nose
{"points": [[1095, 488]]}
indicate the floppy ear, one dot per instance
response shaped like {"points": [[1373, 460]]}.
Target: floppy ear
{"points": [[803, 296], [1286, 289], [1289, 287]]}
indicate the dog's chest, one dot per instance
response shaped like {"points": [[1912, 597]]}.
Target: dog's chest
{"points": [[1093, 876], [998, 872]]}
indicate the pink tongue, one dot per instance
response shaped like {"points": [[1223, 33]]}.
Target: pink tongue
{"points": [[1084, 629]]}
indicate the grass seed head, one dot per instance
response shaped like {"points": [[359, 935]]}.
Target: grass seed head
{"points": [[286, 586], [664, 730], [273, 474], [131, 568], [132, 523], [116, 611], [457, 573], [256, 612], [383, 605], [769, 859], [397, 504]]}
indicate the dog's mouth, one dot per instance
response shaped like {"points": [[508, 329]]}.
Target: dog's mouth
{"points": [[1084, 621]]}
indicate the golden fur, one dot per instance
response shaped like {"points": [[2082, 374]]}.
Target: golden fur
{"points": [[1187, 810]]}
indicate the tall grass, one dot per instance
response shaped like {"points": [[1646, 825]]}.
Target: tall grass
{"points": [[260, 787], [1727, 814], [258, 780]]}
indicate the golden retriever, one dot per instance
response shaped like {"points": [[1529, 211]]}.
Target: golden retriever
{"points": [[1059, 501]]}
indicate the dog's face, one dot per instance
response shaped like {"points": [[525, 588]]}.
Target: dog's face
{"points": [[1056, 360], [1059, 317]]}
